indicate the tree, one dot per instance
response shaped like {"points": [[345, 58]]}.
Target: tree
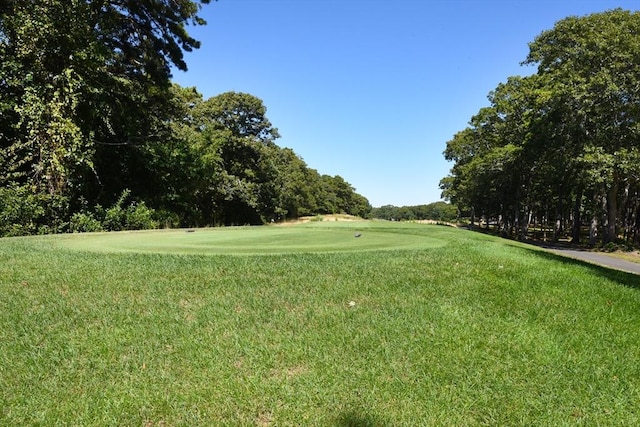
{"points": [[237, 138], [297, 185], [89, 118], [84, 85], [564, 141], [595, 63], [79, 77], [340, 197], [437, 211]]}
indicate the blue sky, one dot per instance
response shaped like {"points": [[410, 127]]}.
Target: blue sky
{"points": [[372, 90]]}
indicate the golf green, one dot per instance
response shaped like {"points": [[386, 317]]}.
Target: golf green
{"points": [[252, 240]]}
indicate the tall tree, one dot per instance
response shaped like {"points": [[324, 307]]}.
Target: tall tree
{"points": [[237, 135], [78, 78], [594, 62], [564, 141]]}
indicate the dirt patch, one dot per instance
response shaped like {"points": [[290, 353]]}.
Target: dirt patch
{"points": [[289, 372], [264, 418]]}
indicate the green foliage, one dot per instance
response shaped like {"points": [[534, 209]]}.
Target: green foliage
{"points": [[437, 211], [78, 80], [139, 217], [617, 246], [167, 219], [84, 222], [237, 174], [77, 69], [132, 216], [338, 196], [20, 211], [559, 145], [122, 215], [24, 211], [87, 110]]}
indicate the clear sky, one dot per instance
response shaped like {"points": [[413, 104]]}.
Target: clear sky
{"points": [[372, 90]]}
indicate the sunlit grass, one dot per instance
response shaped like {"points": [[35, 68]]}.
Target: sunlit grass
{"points": [[478, 331], [307, 238]]}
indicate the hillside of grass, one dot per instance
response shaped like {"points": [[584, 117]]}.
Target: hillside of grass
{"points": [[426, 325]]}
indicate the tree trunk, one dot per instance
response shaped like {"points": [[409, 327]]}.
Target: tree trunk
{"points": [[473, 217], [593, 227], [525, 223], [545, 223], [627, 213], [636, 225], [612, 212], [577, 220], [558, 227], [593, 230]]}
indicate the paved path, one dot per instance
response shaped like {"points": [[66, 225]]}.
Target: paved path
{"points": [[599, 259]]}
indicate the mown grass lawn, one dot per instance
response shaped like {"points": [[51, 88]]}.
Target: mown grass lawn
{"points": [[449, 327]]}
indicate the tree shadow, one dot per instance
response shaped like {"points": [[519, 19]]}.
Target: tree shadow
{"points": [[624, 278], [357, 419]]}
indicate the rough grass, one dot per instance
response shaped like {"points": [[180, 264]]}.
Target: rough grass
{"points": [[475, 332]]}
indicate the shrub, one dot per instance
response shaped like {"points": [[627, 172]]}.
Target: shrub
{"points": [[24, 212], [167, 219], [139, 217], [84, 222], [135, 216]]}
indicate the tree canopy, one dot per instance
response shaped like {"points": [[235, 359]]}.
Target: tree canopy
{"points": [[437, 211], [561, 145], [89, 118]]}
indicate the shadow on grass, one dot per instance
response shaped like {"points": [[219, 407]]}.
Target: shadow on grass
{"points": [[357, 419], [624, 278]]}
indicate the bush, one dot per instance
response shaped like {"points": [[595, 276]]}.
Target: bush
{"points": [[618, 245], [114, 219], [167, 219], [135, 216], [84, 222], [139, 217], [24, 212]]}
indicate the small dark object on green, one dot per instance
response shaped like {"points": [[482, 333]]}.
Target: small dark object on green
{"points": [[358, 235]]}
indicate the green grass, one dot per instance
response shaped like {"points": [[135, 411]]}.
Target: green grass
{"points": [[449, 327], [315, 237]]}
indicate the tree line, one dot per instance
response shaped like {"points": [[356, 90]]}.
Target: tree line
{"points": [[437, 211], [94, 135], [559, 150]]}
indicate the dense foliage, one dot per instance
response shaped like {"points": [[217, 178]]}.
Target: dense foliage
{"points": [[560, 148], [438, 211], [90, 124]]}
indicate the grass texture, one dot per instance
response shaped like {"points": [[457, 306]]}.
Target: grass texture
{"points": [[420, 325], [309, 238]]}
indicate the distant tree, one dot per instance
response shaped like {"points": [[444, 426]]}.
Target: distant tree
{"points": [[340, 197], [298, 185], [437, 211], [236, 136]]}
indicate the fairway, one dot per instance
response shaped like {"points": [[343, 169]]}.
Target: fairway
{"points": [[308, 325], [308, 238]]}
